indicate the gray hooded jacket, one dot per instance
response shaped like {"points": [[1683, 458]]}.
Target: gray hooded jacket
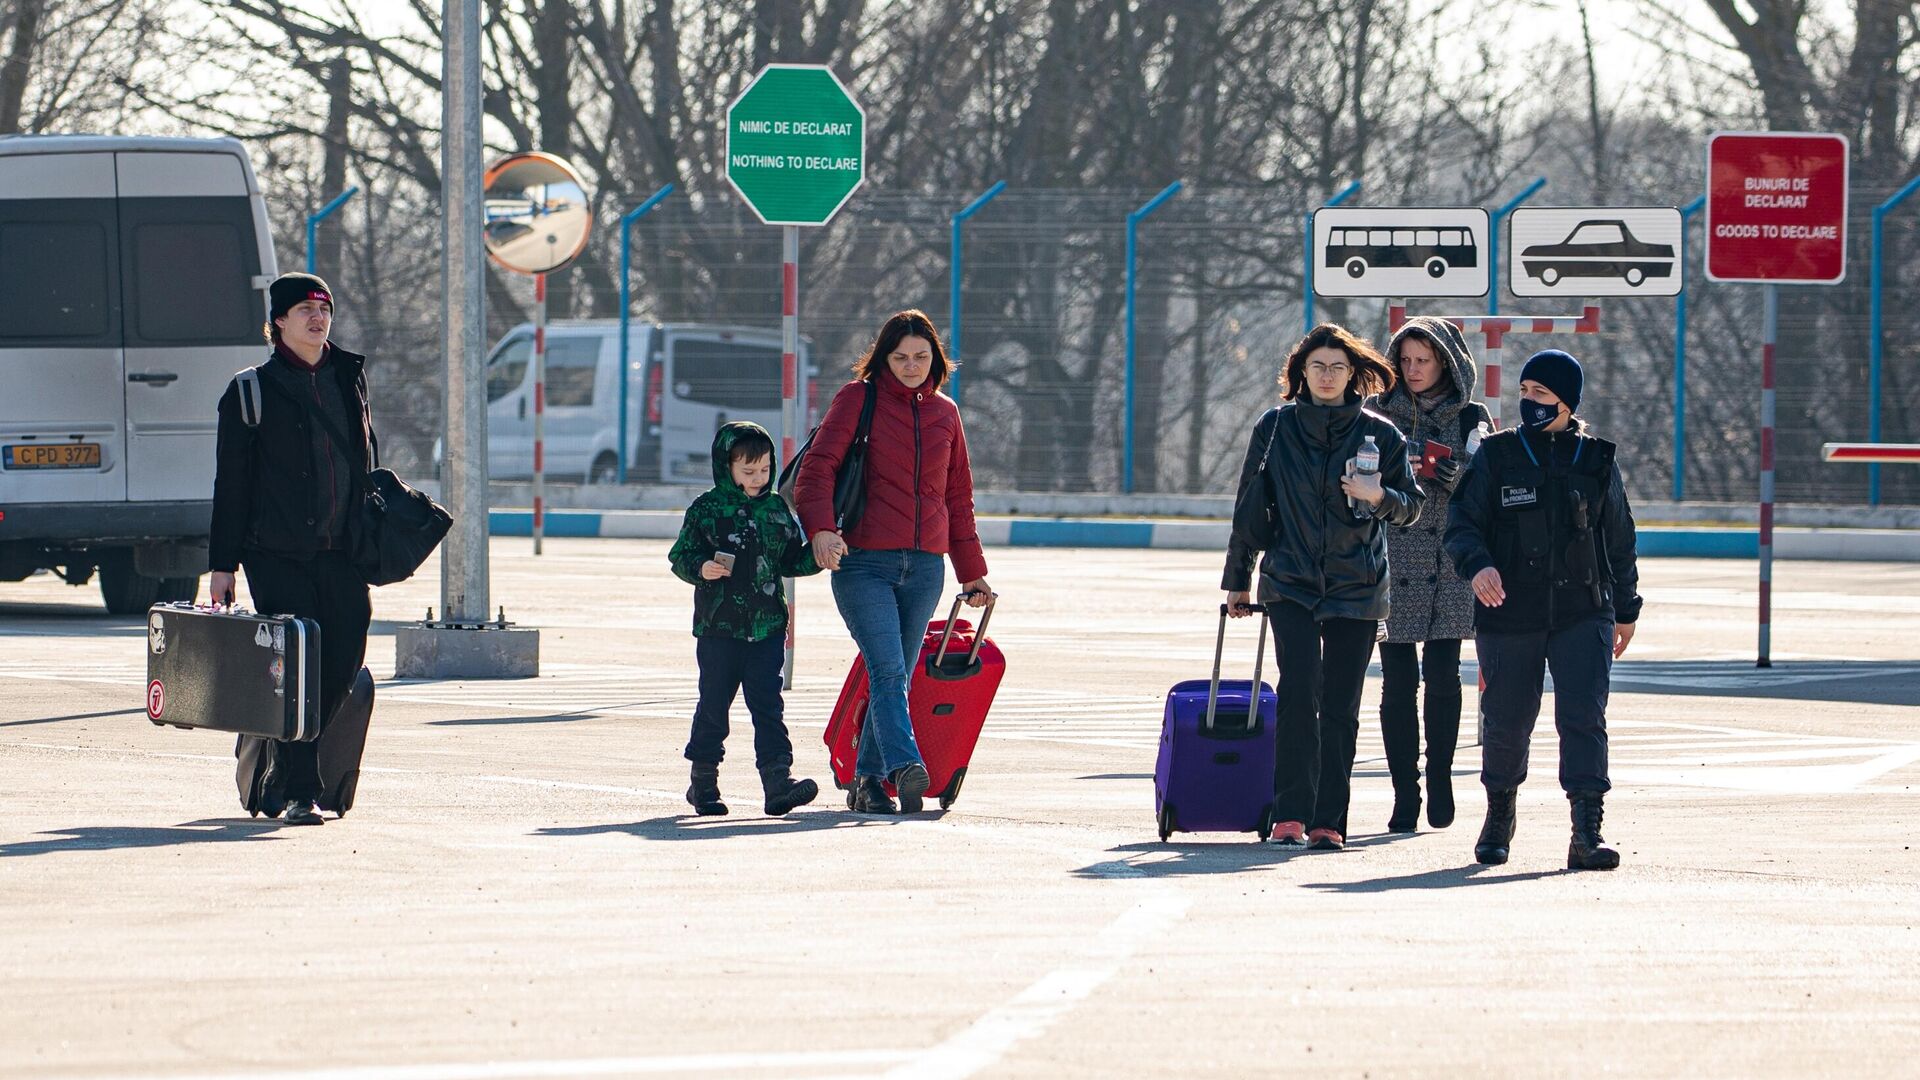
{"points": [[1430, 601]]}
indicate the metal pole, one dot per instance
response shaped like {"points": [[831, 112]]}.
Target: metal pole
{"points": [[953, 286], [626, 315], [314, 220], [1772, 334], [1133, 227], [1493, 245], [539, 410], [463, 566], [1680, 358], [789, 394], [1873, 339], [1306, 275]]}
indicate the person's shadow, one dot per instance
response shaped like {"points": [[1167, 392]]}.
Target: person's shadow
{"points": [[108, 838], [1453, 877], [694, 827]]}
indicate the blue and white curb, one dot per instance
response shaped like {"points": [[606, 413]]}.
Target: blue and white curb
{"points": [[1691, 542]]}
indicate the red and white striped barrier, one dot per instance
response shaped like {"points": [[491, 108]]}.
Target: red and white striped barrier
{"points": [[1496, 328], [1908, 453]]}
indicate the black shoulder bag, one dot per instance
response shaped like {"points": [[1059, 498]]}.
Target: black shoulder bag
{"points": [[850, 483], [397, 527]]}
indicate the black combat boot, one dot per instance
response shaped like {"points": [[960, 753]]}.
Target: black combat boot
{"points": [[1406, 807], [1496, 836], [784, 792], [704, 794], [1588, 851], [869, 796]]}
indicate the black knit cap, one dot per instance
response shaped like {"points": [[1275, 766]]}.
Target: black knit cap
{"points": [[290, 289], [1557, 371]]}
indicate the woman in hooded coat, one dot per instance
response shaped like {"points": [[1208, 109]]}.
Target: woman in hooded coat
{"points": [[1431, 401]]}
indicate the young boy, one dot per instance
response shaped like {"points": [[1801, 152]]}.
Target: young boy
{"points": [[739, 539]]}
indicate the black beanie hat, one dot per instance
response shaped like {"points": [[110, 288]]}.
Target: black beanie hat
{"points": [[290, 289], [1557, 371]]}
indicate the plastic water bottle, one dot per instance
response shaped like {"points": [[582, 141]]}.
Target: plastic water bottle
{"points": [[1473, 437], [1365, 463]]}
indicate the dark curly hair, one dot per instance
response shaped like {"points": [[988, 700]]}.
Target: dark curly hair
{"points": [[1371, 372], [902, 325]]}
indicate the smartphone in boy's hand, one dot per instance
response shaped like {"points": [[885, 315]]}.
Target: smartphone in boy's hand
{"points": [[725, 559]]}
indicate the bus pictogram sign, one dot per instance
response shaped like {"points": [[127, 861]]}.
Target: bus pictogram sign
{"points": [[1400, 251]]}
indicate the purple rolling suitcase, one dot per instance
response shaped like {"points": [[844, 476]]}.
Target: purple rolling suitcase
{"points": [[1215, 772]]}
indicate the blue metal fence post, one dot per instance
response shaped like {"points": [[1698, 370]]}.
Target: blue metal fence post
{"points": [[1680, 357], [1306, 277], [1133, 225], [626, 316], [314, 220], [1873, 347], [1493, 242], [953, 287]]}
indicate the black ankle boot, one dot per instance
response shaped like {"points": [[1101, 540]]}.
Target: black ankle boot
{"points": [[911, 782], [1439, 793], [784, 792], [704, 792], [869, 796], [1588, 851], [1496, 836], [1406, 807]]}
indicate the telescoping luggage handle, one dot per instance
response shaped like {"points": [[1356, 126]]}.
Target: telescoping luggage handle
{"points": [[937, 665], [1259, 657]]}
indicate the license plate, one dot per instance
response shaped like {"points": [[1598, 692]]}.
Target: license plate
{"points": [[50, 456]]}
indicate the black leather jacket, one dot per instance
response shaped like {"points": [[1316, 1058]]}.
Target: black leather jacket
{"points": [[1318, 553], [274, 488]]}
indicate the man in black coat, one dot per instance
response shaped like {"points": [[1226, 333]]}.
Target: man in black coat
{"points": [[1542, 530], [283, 494]]}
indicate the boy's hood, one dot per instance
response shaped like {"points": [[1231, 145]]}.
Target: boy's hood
{"points": [[723, 442], [1453, 349]]}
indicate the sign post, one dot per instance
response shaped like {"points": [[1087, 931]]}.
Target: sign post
{"points": [[796, 151], [1776, 215]]}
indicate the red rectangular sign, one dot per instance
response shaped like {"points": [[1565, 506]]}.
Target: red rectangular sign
{"points": [[1777, 207]]}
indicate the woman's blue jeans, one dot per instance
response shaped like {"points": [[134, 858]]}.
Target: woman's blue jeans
{"points": [[886, 598]]}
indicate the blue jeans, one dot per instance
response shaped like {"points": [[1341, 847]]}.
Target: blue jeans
{"points": [[886, 598]]}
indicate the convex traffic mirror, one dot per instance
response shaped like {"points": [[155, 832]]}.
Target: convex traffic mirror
{"points": [[537, 213]]}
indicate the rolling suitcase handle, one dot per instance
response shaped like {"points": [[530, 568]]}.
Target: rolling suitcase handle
{"points": [[1259, 658], [936, 664]]}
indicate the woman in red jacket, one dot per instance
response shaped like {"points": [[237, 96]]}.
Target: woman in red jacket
{"points": [[887, 570]]}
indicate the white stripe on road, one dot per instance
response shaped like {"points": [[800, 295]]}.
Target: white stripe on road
{"points": [[982, 1044], [623, 1066]]}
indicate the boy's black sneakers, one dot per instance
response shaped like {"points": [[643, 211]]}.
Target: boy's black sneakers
{"points": [[704, 793], [869, 796], [784, 792], [911, 781]]}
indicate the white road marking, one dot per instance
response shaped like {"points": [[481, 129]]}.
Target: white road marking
{"points": [[620, 1066]]}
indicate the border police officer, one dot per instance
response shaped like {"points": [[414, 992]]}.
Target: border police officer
{"points": [[1542, 530]]}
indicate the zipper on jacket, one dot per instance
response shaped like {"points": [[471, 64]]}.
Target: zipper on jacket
{"points": [[333, 508], [916, 472]]}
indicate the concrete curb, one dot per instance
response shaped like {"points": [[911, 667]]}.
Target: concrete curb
{"points": [[1695, 542]]}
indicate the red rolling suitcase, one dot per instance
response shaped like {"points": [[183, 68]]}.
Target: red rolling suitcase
{"points": [[947, 699]]}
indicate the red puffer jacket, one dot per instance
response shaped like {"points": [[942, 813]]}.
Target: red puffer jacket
{"points": [[919, 485]]}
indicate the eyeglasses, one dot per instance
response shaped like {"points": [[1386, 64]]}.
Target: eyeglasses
{"points": [[1339, 371]]}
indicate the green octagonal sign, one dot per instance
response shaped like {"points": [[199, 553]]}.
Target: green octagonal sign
{"points": [[796, 144]]}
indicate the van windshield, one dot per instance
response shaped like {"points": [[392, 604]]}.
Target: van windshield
{"points": [[508, 368]]}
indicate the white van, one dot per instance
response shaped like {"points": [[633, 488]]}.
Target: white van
{"points": [[133, 276], [684, 381]]}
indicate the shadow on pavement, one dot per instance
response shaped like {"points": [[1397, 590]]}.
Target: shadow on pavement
{"points": [[1227, 856], [1860, 682], [74, 716], [119, 839], [1453, 877], [692, 827], [489, 721]]}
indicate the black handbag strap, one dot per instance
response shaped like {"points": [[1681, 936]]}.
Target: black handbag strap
{"points": [[864, 429]]}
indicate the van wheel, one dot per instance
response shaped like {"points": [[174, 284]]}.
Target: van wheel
{"points": [[126, 591], [606, 470]]}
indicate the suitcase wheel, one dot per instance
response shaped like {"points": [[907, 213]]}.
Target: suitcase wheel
{"points": [[1166, 821], [953, 788], [849, 798]]}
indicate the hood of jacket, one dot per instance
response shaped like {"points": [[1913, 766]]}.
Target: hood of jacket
{"points": [[723, 444], [1452, 348]]}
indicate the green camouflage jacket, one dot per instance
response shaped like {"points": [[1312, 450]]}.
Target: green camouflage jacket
{"points": [[765, 539]]}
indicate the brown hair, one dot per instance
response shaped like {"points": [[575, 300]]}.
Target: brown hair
{"points": [[902, 325], [1371, 372]]}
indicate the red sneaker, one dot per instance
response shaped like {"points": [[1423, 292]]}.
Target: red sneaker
{"points": [[1290, 833], [1326, 840]]}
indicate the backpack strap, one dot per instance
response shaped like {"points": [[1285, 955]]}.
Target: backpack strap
{"points": [[248, 382]]}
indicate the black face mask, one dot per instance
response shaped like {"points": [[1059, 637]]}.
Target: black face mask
{"points": [[1537, 416]]}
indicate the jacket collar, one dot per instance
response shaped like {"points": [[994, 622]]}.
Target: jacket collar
{"points": [[347, 362], [1326, 424], [884, 379]]}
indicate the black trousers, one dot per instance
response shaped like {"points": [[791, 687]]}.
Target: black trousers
{"points": [[1404, 666], [1581, 658], [729, 666], [1323, 666], [327, 590]]}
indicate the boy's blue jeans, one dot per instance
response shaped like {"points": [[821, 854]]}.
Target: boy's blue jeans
{"points": [[886, 598], [728, 665]]}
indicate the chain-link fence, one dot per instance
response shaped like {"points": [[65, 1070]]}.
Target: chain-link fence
{"points": [[1218, 301]]}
